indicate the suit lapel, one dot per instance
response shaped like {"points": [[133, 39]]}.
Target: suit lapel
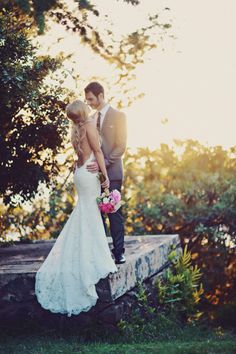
{"points": [[107, 115]]}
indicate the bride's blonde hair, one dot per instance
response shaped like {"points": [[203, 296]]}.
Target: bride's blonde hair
{"points": [[78, 113]]}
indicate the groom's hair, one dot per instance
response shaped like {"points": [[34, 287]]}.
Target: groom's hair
{"points": [[95, 88]]}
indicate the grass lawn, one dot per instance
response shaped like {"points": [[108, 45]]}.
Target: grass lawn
{"points": [[160, 334], [47, 345]]}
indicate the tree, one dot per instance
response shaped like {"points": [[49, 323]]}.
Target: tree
{"points": [[32, 119], [37, 10], [125, 53], [33, 124]]}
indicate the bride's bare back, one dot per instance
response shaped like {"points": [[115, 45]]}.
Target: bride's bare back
{"points": [[85, 144]]}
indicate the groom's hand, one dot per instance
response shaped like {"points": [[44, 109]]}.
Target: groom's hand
{"points": [[93, 167]]}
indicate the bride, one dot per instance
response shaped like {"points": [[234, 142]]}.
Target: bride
{"points": [[65, 283]]}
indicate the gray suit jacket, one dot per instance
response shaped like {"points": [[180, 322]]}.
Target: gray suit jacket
{"points": [[114, 136]]}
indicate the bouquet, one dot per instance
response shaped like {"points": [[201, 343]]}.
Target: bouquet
{"points": [[109, 202]]}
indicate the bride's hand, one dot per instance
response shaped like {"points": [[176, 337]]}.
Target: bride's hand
{"points": [[106, 183]]}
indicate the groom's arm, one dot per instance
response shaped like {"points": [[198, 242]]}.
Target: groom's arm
{"points": [[120, 140]]}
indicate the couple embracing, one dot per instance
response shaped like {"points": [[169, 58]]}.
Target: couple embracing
{"points": [[80, 257]]}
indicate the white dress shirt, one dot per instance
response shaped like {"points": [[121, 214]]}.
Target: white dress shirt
{"points": [[103, 112]]}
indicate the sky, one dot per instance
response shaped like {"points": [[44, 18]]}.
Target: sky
{"points": [[188, 82]]}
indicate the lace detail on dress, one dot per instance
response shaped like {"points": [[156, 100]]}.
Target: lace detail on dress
{"points": [[80, 257]]}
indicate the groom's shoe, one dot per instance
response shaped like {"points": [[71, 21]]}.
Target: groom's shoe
{"points": [[120, 259]]}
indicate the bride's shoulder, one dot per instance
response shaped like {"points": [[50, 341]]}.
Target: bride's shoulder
{"points": [[90, 125], [89, 122]]}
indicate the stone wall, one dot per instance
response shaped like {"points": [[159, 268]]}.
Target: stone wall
{"points": [[146, 258]]}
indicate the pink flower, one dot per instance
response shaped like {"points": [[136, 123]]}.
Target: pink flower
{"points": [[115, 195], [111, 208], [106, 208], [109, 203]]}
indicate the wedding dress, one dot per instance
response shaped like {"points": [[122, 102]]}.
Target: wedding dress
{"points": [[65, 283]]}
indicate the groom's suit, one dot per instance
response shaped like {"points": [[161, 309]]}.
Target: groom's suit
{"points": [[113, 133]]}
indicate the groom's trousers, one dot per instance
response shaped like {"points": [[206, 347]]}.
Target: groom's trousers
{"points": [[116, 224]]}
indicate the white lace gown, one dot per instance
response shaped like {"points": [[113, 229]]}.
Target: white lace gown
{"points": [[65, 283]]}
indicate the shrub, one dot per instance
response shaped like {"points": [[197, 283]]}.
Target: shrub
{"points": [[189, 189], [180, 290]]}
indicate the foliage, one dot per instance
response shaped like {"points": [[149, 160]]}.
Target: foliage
{"points": [[38, 11], [32, 119], [41, 219], [178, 294], [179, 290], [33, 129], [189, 189], [123, 53], [148, 323]]}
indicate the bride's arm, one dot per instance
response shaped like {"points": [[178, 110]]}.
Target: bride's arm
{"points": [[93, 139]]}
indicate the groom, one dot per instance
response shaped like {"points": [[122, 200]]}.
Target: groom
{"points": [[111, 125]]}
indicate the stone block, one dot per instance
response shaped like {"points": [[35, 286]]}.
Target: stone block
{"points": [[146, 258]]}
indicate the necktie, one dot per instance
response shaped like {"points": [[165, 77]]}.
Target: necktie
{"points": [[99, 122]]}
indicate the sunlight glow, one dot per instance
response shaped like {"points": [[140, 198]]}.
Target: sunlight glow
{"points": [[188, 82]]}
